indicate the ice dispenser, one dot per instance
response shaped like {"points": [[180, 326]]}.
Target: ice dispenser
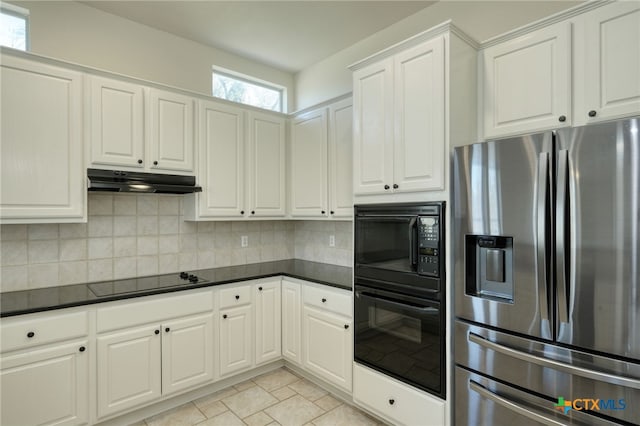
{"points": [[489, 265]]}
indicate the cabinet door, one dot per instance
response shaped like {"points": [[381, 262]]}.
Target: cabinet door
{"points": [[187, 353], [171, 131], [609, 57], [419, 150], [341, 159], [309, 164], [526, 82], [46, 387], [328, 346], [268, 324], [291, 320], [117, 123], [221, 153], [373, 129], [128, 369], [236, 338], [266, 159], [41, 155]]}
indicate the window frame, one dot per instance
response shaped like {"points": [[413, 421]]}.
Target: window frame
{"points": [[282, 90], [18, 12]]}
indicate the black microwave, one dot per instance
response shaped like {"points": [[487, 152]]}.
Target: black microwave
{"points": [[400, 247]]}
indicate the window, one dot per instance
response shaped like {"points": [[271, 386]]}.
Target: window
{"points": [[13, 26], [245, 90]]}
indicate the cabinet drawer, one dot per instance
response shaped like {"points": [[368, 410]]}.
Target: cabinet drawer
{"points": [[160, 309], [395, 401], [235, 296], [25, 333], [327, 298]]}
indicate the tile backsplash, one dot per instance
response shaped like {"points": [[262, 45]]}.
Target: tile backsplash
{"points": [[135, 235]]}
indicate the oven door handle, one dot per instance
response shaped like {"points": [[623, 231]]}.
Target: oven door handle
{"points": [[413, 250], [402, 304]]}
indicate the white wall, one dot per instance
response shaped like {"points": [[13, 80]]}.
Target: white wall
{"points": [[82, 34], [480, 19]]}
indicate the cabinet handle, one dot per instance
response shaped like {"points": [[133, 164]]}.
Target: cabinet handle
{"points": [[395, 186], [332, 212], [157, 331], [253, 212], [155, 163], [30, 334], [324, 300], [592, 113], [386, 187], [392, 401], [139, 161], [322, 211], [167, 329], [562, 118], [260, 288], [82, 349], [224, 316], [237, 297], [346, 326], [241, 211]]}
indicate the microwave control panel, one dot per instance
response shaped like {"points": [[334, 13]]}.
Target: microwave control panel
{"points": [[429, 245]]}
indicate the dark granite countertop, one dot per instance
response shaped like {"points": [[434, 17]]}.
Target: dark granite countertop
{"points": [[45, 299]]}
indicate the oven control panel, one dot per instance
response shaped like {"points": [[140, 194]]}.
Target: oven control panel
{"points": [[429, 245]]}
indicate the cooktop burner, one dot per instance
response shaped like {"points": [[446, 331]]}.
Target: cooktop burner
{"points": [[143, 284]]}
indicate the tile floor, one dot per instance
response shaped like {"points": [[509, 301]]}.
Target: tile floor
{"points": [[276, 398]]}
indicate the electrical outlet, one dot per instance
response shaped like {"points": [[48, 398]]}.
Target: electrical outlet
{"points": [[244, 241], [332, 240]]}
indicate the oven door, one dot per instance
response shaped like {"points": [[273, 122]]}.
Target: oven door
{"points": [[401, 336]]}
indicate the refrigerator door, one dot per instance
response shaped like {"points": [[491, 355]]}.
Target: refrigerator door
{"points": [[503, 189], [598, 237]]}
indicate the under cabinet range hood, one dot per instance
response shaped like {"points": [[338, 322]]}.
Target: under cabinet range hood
{"points": [[122, 181]]}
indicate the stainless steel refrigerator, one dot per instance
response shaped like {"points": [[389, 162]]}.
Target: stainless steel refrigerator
{"points": [[546, 278]]}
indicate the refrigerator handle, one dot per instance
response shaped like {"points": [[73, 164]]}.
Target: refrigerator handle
{"points": [[512, 405], [542, 245], [561, 234]]}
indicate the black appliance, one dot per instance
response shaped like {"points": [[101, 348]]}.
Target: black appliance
{"points": [[399, 309], [123, 181]]}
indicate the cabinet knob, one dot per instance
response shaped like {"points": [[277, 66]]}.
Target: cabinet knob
{"points": [[253, 212], [562, 118], [224, 316], [592, 113], [167, 329], [395, 186], [30, 334], [386, 187], [155, 163], [237, 297], [82, 349], [241, 211], [324, 300], [392, 401], [157, 331], [139, 161], [346, 326], [260, 288], [332, 212], [322, 211]]}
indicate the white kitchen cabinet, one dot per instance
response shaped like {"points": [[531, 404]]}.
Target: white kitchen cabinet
{"points": [[42, 160], [527, 82], [116, 114], [399, 122], [268, 326], [129, 368], [607, 63], [309, 164], [341, 159], [236, 339], [49, 385], [291, 321]]}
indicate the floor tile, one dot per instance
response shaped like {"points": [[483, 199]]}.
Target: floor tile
{"points": [[345, 415], [213, 409], [244, 385], [308, 389], [225, 419], [249, 401], [216, 396], [327, 402], [186, 415], [283, 393], [140, 423], [258, 419], [275, 379], [295, 411]]}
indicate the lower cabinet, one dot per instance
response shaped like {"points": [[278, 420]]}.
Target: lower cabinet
{"points": [[235, 339], [46, 386], [291, 321], [268, 321]]}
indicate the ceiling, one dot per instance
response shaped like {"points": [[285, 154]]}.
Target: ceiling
{"points": [[287, 35]]}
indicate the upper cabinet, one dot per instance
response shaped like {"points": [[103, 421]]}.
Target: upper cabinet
{"points": [[527, 82], [43, 174], [574, 72], [135, 127], [404, 98], [321, 162]]}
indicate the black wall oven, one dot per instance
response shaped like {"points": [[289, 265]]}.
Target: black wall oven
{"points": [[399, 268]]}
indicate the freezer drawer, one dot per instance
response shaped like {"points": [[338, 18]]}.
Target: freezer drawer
{"points": [[482, 401], [551, 370]]}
